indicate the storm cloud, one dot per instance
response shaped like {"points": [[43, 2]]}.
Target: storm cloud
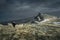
{"points": [[19, 9]]}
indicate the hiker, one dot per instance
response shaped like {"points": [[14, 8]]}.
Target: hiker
{"points": [[13, 23]]}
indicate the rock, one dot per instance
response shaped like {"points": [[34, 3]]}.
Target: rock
{"points": [[39, 17]]}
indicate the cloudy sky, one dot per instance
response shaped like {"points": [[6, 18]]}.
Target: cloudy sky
{"points": [[19, 9]]}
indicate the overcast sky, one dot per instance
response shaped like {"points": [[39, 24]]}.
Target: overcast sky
{"points": [[17, 9]]}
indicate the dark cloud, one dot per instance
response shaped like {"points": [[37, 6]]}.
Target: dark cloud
{"points": [[17, 9]]}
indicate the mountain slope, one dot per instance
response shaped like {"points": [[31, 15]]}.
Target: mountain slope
{"points": [[43, 30]]}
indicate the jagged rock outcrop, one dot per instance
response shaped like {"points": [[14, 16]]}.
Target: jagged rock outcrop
{"points": [[38, 18]]}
